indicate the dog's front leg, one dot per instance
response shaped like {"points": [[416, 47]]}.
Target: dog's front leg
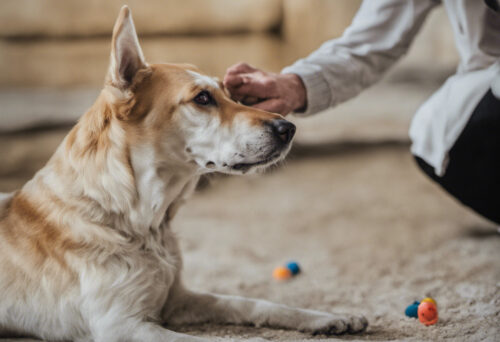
{"points": [[141, 332], [156, 333], [186, 307]]}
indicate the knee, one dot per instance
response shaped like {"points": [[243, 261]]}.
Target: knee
{"points": [[424, 167]]}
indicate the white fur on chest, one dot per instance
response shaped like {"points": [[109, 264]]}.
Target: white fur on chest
{"points": [[135, 280]]}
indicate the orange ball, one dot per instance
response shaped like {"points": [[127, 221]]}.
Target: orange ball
{"points": [[427, 313], [281, 273]]}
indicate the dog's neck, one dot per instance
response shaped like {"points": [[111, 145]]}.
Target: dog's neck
{"points": [[160, 188], [105, 179]]}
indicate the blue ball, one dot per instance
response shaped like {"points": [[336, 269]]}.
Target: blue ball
{"points": [[412, 310], [293, 267]]}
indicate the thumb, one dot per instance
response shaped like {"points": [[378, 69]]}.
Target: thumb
{"points": [[274, 106]]}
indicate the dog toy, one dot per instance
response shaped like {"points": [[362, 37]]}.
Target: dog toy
{"points": [[426, 311], [412, 310], [291, 269], [430, 300], [281, 273]]}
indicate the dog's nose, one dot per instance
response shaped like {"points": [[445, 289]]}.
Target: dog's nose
{"points": [[283, 129]]}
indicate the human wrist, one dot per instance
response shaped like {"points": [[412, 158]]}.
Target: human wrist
{"points": [[297, 92]]}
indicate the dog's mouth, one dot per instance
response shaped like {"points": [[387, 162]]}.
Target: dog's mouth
{"points": [[244, 167]]}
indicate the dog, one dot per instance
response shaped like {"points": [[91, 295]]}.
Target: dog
{"points": [[86, 250]]}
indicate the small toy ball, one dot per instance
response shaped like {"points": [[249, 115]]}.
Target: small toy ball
{"points": [[293, 267], [430, 300], [427, 313], [282, 273], [412, 310]]}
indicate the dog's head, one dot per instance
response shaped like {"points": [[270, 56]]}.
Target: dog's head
{"points": [[186, 116]]}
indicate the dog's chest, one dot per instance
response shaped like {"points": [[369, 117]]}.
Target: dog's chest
{"points": [[145, 273], [159, 262]]}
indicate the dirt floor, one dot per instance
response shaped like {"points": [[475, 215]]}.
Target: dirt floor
{"points": [[371, 233]]}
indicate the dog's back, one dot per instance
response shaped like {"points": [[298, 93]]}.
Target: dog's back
{"points": [[5, 199]]}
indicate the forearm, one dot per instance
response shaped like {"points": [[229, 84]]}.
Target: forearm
{"points": [[381, 32]]}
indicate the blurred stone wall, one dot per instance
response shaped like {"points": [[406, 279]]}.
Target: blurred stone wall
{"points": [[75, 18], [311, 22], [308, 23], [54, 43]]}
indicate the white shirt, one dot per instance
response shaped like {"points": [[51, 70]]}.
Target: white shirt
{"points": [[380, 33]]}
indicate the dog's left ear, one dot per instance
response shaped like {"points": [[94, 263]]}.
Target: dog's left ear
{"points": [[126, 54]]}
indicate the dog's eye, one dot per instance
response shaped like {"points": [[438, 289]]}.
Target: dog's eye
{"points": [[204, 98]]}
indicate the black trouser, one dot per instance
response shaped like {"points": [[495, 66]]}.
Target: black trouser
{"points": [[473, 172]]}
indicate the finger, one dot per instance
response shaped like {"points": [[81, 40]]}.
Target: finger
{"points": [[241, 67], [238, 97], [232, 81], [231, 84], [250, 100], [261, 88], [236, 80], [249, 88], [273, 106]]}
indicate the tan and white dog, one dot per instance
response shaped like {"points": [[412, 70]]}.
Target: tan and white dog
{"points": [[86, 251]]}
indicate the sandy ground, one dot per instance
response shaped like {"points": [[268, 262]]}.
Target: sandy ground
{"points": [[371, 233]]}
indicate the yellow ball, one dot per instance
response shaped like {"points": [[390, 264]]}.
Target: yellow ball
{"points": [[429, 300], [281, 273]]}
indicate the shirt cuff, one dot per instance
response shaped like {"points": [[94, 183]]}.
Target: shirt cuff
{"points": [[319, 95], [495, 86]]}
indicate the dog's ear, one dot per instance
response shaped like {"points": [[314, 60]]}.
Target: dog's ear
{"points": [[126, 54]]}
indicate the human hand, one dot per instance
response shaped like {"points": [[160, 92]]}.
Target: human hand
{"points": [[277, 93]]}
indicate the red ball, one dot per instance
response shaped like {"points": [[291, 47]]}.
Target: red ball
{"points": [[427, 313]]}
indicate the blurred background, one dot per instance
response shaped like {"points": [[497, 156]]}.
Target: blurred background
{"points": [[54, 55], [370, 231]]}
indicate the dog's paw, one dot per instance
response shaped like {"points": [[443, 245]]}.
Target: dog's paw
{"points": [[336, 324]]}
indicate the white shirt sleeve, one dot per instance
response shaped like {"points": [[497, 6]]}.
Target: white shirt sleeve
{"points": [[380, 33]]}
